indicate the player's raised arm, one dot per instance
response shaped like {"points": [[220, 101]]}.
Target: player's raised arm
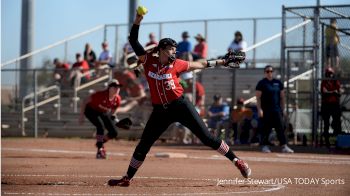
{"points": [[133, 39]]}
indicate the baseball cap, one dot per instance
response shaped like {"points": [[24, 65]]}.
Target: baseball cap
{"points": [[114, 83], [163, 43], [199, 37], [185, 34]]}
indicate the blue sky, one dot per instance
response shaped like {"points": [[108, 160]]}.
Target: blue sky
{"points": [[57, 19]]}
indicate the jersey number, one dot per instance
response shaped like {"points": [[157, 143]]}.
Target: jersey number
{"points": [[170, 85]]}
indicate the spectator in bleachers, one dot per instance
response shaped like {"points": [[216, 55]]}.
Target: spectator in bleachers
{"points": [[254, 136], [331, 92], [200, 92], [132, 90], [79, 72], [125, 61], [130, 85], [218, 114], [61, 71], [89, 55], [184, 48], [105, 57], [152, 40], [242, 123], [332, 41], [238, 44], [200, 51]]}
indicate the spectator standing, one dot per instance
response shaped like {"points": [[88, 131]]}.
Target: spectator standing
{"points": [[270, 103], [332, 41], [330, 91]]}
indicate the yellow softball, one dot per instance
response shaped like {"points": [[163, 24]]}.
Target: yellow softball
{"points": [[141, 10]]}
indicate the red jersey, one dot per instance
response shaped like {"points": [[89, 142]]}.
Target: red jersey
{"points": [[199, 92], [330, 85], [163, 80], [102, 98], [65, 66], [84, 66]]}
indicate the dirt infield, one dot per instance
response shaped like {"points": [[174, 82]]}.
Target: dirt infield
{"points": [[68, 167]]}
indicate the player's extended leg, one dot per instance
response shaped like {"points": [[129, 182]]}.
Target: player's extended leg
{"points": [[93, 117], [158, 122], [191, 119]]}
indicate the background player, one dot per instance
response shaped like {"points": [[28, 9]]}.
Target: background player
{"points": [[101, 109], [162, 70]]}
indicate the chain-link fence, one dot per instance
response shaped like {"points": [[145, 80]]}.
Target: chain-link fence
{"points": [[305, 51]]}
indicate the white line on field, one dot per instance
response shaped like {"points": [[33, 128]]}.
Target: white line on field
{"points": [[280, 159], [59, 151], [92, 176], [265, 188], [312, 156]]}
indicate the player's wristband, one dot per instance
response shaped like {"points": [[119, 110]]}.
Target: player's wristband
{"points": [[212, 63]]}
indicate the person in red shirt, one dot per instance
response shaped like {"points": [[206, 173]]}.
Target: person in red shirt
{"points": [[162, 71], [134, 91], [200, 50], [80, 71], [101, 109], [330, 92], [152, 40], [131, 87], [61, 71]]}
